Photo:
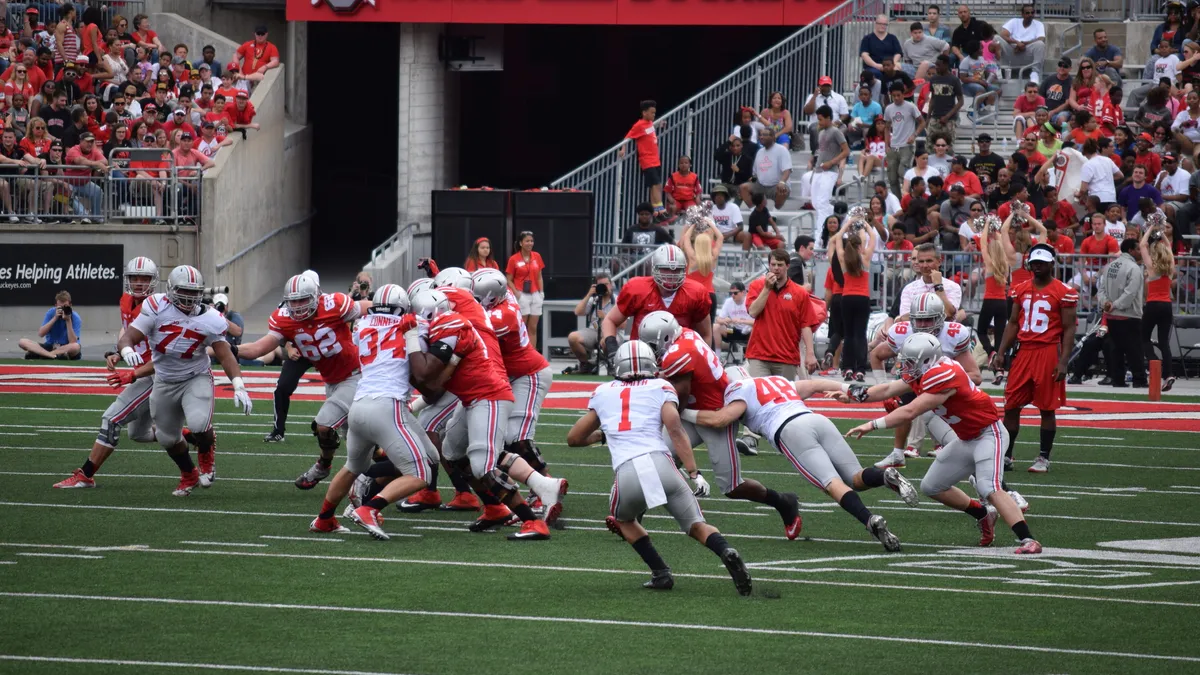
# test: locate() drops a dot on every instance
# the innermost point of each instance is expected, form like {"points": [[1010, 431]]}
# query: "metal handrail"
{"points": [[1064, 50], [629, 270], [391, 241]]}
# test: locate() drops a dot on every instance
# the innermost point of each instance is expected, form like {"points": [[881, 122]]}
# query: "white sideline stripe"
{"points": [[1095, 438], [177, 664], [940, 509], [62, 555], [222, 543], [274, 536], [613, 622]]}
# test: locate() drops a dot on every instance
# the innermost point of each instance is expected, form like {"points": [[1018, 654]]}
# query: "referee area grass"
{"points": [[126, 578]]}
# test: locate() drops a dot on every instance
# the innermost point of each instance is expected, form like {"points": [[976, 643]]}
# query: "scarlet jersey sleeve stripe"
{"points": [[153, 303], [677, 366], [937, 380]]}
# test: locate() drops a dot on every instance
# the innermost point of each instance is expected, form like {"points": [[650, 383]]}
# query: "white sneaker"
{"points": [[911, 452], [552, 493], [1020, 501], [894, 459], [1040, 465], [897, 482]]}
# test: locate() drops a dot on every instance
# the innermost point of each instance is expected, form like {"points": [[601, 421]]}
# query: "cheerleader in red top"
{"points": [[701, 242], [1159, 262], [854, 244], [480, 256], [996, 266]]}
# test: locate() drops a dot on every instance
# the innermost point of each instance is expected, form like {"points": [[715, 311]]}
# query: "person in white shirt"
{"points": [[772, 170], [921, 168], [941, 159], [727, 216], [1097, 176], [927, 262], [891, 203], [734, 321], [1172, 183], [825, 95], [1023, 43], [1187, 123]]}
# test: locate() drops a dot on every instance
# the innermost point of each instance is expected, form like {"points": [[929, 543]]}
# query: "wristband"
{"points": [[418, 404], [688, 416], [879, 423], [845, 388], [412, 342], [938, 288], [238, 383], [455, 359], [879, 374]]}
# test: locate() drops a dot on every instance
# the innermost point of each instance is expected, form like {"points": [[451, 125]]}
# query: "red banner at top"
{"points": [[568, 12]]}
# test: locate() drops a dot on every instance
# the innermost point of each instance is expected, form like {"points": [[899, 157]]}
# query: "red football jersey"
{"points": [[464, 304], [477, 377], [1041, 311], [323, 338], [689, 355], [130, 308], [520, 358], [640, 296], [969, 410]]}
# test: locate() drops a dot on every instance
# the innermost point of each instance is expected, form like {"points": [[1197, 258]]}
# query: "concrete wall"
{"points": [[428, 138], [238, 24]]}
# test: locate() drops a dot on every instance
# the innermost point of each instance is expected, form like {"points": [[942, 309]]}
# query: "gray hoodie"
{"points": [[1123, 284]]}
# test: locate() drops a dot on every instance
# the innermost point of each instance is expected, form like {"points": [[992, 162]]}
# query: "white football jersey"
{"points": [[770, 401], [631, 416], [382, 357], [955, 337], [177, 340]]}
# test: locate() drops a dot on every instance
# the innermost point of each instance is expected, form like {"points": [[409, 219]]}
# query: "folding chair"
{"points": [[1185, 321]]}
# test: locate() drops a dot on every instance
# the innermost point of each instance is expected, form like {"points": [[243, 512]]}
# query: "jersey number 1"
{"points": [[625, 424]]}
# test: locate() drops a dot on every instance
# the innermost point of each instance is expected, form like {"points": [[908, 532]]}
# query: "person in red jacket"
{"points": [[683, 187]]}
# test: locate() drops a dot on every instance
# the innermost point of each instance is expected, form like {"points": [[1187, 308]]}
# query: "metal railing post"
{"points": [[689, 131], [758, 87], [616, 221]]}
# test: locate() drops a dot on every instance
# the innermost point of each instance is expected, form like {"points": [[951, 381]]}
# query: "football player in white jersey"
{"points": [[389, 348], [773, 407], [179, 327], [928, 315], [628, 415]]}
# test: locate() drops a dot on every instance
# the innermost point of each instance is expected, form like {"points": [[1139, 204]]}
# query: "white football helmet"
{"points": [[669, 268], [300, 295], [490, 287], [316, 279], [453, 276], [659, 330], [141, 277], [390, 299], [735, 373], [919, 353], [928, 314], [419, 285], [185, 288], [634, 360], [430, 303]]}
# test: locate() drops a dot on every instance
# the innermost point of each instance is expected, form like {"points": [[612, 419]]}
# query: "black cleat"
{"points": [[273, 437], [660, 580], [737, 570]]}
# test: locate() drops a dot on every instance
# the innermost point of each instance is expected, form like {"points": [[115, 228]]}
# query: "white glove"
{"points": [[418, 404], [241, 398], [689, 416], [702, 489], [132, 358], [412, 341]]}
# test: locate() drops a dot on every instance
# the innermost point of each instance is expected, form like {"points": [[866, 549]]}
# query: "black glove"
{"points": [[610, 347], [858, 392]]}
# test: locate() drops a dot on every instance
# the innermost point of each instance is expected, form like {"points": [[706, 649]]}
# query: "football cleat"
{"points": [[660, 580], [359, 489], [494, 515], [934, 452], [911, 453], [1029, 547], [895, 459], [1020, 501], [553, 503], [611, 523], [187, 483], [1008, 464], [76, 480], [315, 474], [535, 530], [327, 526], [987, 527], [745, 448], [737, 570], [368, 519], [894, 480], [208, 467], [273, 437], [878, 528], [792, 521], [463, 501], [1040, 465], [420, 501]]}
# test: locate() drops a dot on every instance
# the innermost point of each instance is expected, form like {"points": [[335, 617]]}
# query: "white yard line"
{"points": [[320, 539], [177, 664], [62, 555], [223, 543], [669, 626]]}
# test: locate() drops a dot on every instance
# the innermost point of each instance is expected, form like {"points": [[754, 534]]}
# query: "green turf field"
{"points": [[130, 579]]}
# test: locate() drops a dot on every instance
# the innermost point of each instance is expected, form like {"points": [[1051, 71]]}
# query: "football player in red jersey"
{"points": [[318, 324], [941, 385], [667, 290], [475, 435], [693, 368], [131, 408], [1043, 325]]}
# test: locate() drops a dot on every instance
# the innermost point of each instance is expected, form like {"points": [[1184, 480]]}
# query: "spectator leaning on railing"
{"points": [[734, 322], [59, 334]]}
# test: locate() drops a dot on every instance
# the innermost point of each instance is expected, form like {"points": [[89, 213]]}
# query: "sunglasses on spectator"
{"points": [[1085, 67], [939, 145], [21, 70]]}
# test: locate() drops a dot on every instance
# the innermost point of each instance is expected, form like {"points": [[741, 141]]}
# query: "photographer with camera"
{"points": [[236, 327], [360, 289], [59, 333], [600, 298]]}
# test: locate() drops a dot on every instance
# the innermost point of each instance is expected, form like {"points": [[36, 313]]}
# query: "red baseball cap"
{"points": [[242, 93], [1146, 137], [824, 79]]}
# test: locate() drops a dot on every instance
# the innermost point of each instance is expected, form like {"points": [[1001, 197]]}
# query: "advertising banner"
{"points": [[30, 274]]}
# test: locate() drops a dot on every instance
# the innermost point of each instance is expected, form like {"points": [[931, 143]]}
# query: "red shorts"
{"points": [[1031, 380], [766, 240]]}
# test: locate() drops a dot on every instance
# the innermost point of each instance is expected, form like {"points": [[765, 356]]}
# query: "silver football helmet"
{"points": [[735, 373], [300, 295], [141, 277], [453, 276], [490, 287], [669, 268], [390, 299], [316, 278], [419, 285], [659, 330], [920, 352], [185, 288], [430, 303], [634, 360], [928, 314]]}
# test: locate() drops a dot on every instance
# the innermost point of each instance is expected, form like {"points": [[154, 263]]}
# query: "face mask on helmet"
{"points": [[670, 279], [139, 285], [186, 299], [302, 308], [928, 325]]}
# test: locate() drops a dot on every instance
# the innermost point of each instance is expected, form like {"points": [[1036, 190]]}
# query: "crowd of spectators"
{"points": [[83, 88]]}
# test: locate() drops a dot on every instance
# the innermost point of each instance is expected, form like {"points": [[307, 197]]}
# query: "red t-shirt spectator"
{"points": [[472, 266], [1036, 159], [246, 115], [255, 56], [172, 126], [684, 189], [901, 245], [522, 271], [1151, 161], [219, 118], [36, 147], [969, 180], [1063, 244], [1104, 246], [646, 137], [229, 94], [1064, 216], [1005, 209], [1024, 105], [11, 90], [1079, 136], [81, 174], [188, 157]]}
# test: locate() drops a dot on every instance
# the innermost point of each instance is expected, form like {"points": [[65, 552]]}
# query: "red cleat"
{"points": [[493, 516], [987, 527], [187, 483], [327, 526], [535, 530], [77, 480], [611, 523], [421, 501], [1029, 547], [368, 518], [463, 501]]}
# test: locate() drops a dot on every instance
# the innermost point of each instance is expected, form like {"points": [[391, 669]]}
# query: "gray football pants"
{"points": [[476, 431], [387, 423], [176, 404], [130, 409], [722, 453], [818, 451], [627, 501], [982, 457]]}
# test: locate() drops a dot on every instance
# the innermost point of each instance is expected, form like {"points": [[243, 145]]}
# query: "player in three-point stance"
{"points": [[773, 407], [629, 414], [389, 353], [319, 325], [179, 327], [695, 371], [1042, 324], [941, 385]]}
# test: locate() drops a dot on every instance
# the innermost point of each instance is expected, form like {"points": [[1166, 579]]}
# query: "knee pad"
{"points": [[326, 440], [500, 485], [505, 459], [110, 433], [528, 452]]}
